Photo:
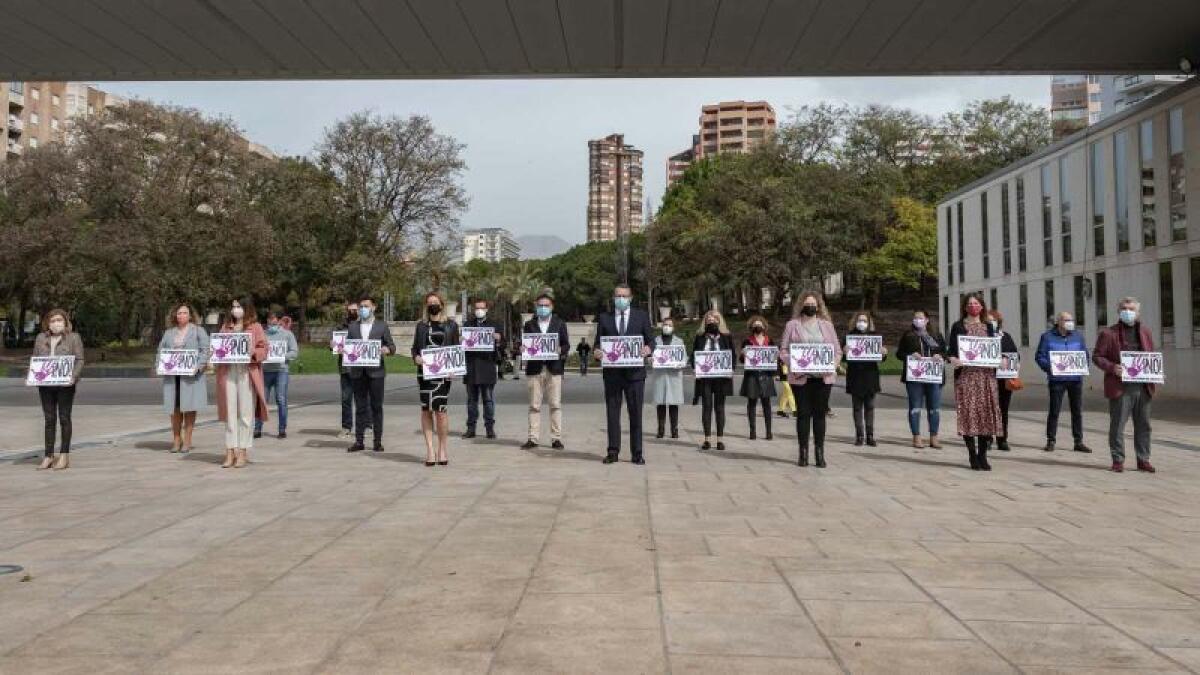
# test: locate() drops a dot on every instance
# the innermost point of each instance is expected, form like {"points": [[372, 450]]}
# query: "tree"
{"points": [[909, 252]]}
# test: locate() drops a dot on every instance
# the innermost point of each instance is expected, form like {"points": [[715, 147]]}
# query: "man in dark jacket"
{"points": [[545, 378], [1063, 338], [1126, 399], [347, 385], [481, 374], [368, 381], [624, 383], [584, 350]]}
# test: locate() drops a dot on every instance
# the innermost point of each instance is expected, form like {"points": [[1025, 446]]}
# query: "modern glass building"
{"points": [[1111, 211]]}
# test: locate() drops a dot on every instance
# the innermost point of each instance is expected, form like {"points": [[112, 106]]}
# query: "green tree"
{"points": [[909, 252]]}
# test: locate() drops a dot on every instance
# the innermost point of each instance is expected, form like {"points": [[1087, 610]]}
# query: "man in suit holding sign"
{"points": [[481, 368], [624, 371], [368, 380]]}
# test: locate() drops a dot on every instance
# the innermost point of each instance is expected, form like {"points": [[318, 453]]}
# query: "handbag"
{"points": [[1014, 384]]}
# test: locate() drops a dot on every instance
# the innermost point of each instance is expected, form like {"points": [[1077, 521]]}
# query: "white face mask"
{"points": [[57, 326], [1068, 326], [861, 325], [480, 313], [667, 330], [237, 312]]}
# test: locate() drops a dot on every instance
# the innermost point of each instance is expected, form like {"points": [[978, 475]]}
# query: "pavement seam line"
{"points": [[808, 615], [662, 610]]}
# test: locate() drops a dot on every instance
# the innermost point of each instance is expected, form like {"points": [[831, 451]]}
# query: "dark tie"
{"points": [[621, 324]]}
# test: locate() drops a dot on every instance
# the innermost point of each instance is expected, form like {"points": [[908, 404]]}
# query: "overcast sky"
{"points": [[526, 140]]}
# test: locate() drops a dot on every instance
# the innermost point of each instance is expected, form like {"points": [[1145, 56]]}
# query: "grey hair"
{"points": [[1130, 300]]}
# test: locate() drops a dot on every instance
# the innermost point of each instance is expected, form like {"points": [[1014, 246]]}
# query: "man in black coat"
{"points": [[481, 374], [368, 381], [344, 376], [624, 383], [545, 378]]}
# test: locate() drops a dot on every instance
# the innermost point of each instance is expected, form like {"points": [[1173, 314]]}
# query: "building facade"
{"points": [[678, 163], [1076, 99], [37, 113], [614, 188], [733, 126], [492, 244], [1111, 211], [1118, 92]]}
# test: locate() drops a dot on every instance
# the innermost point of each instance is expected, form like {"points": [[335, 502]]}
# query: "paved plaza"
{"points": [[313, 560]]}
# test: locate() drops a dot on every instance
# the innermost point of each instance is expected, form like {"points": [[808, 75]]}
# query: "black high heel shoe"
{"points": [[445, 463], [428, 463]]}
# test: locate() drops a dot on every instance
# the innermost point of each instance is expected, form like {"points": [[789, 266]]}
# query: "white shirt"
{"points": [[544, 326], [365, 327]]}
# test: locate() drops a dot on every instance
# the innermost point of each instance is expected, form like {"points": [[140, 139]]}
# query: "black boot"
{"points": [[767, 424], [802, 440], [753, 429], [1002, 444], [984, 442], [871, 437], [662, 421], [803, 461], [661, 430], [971, 456], [858, 438], [820, 451]]}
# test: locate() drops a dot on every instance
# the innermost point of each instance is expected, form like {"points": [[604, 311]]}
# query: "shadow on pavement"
{"points": [[551, 453], [394, 457], [321, 432], [744, 455], [910, 460], [153, 445]]}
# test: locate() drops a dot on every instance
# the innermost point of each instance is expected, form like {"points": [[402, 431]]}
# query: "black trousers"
{"points": [[663, 410], [1074, 392], [348, 403], [712, 404], [616, 389], [766, 412], [56, 406], [864, 414], [812, 404], [368, 403], [1005, 401]]}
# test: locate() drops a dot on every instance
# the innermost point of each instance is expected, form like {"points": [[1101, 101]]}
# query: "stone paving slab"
{"points": [[312, 560]]}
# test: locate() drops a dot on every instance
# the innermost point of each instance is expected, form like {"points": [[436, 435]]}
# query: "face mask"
{"points": [[711, 328], [974, 310], [1128, 316], [919, 324], [57, 326], [808, 310], [364, 313], [273, 328], [861, 325], [621, 303], [1068, 326], [434, 310], [756, 329], [543, 312], [237, 312], [667, 330], [480, 313]]}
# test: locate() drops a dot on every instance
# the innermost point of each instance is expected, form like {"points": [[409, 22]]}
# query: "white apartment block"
{"points": [[492, 244]]}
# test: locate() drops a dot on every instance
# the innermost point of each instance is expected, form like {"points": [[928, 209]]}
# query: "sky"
{"points": [[526, 140]]}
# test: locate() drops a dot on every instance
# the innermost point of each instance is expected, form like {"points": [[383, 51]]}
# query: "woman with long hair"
{"points": [[862, 383], [186, 394], [758, 386], [241, 397], [924, 340], [810, 324], [57, 339], [435, 330], [712, 390], [975, 394]]}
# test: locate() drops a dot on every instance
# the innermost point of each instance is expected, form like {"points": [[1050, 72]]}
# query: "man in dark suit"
{"points": [[545, 378], [624, 383], [481, 374], [344, 377], [368, 381]]}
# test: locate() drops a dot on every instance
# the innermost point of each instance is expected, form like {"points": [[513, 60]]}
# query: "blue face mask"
{"points": [[364, 313], [273, 328], [543, 312], [621, 303], [1128, 316]]}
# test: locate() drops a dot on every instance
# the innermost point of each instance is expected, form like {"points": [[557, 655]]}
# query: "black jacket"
{"points": [[559, 326], [421, 337], [911, 343], [952, 344], [862, 377], [638, 323], [379, 331], [481, 366], [720, 385]]}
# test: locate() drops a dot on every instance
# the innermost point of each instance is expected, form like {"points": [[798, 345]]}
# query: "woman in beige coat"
{"points": [[57, 339]]}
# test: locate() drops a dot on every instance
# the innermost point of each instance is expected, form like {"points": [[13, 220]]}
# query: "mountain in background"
{"points": [[539, 246]]}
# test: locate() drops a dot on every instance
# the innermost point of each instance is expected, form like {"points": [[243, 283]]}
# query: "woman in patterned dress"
{"points": [[436, 330], [975, 393]]}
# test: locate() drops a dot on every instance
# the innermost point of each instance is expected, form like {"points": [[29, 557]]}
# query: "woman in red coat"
{"points": [[240, 394]]}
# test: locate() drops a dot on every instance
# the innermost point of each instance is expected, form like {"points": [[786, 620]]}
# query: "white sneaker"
{"points": [[345, 433]]}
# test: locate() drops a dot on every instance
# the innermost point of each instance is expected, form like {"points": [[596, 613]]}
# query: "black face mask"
{"points": [[434, 310], [756, 330], [808, 310], [711, 328]]}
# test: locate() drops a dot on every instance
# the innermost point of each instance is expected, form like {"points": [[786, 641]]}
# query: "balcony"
{"points": [[15, 149], [15, 125], [16, 100], [1132, 83]]}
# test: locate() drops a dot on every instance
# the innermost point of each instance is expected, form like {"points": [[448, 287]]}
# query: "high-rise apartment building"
{"points": [[614, 188], [678, 163], [36, 113], [734, 126], [492, 244], [1078, 101]]}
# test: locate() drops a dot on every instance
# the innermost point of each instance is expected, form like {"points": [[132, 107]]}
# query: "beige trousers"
{"points": [[239, 407], [545, 387]]}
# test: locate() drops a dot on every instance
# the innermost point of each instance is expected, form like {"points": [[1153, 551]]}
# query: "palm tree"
{"points": [[518, 285]]}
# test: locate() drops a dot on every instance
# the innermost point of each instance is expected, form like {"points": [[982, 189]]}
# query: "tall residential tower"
{"points": [[614, 188]]}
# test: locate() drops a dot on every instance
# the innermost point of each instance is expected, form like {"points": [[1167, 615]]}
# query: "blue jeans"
{"points": [[927, 396], [277, 380], [485, 392]]}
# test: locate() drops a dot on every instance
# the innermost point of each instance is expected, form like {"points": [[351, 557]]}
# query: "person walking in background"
{"points": [[435, 330], [240, 396], [666, 384], [1004, 388], [1126, 399], [923, 340], [583, 350], [712, 391], [810, 324], [58, 339], [346, 382], [275, 375], [976, 395], [628, 384], [184, 395], [758, 386], [862, 383], [787, 402], [368, 381], [1061, 338], [544, 378], [482, 374]]}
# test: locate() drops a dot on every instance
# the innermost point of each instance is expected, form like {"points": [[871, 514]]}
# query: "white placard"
{"points": [[621, 351], [1143, 368], [864, 347], [362, 353], [1069, 364], [51, 371], [811, 358], [926, 369], [755, 357], [276, 351], [1010, 366], [670, 356], [230, 348], [337, 340], [716, 363], [540, 347], [979, 352], [478, 338], [177, 362], [441, 362]]}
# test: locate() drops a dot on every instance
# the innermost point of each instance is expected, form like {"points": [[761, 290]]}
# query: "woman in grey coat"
{"points": [[666, 384], [184, 395]]}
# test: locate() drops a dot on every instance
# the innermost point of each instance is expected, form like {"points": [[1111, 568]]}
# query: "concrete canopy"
{"points": [[328, 39]]}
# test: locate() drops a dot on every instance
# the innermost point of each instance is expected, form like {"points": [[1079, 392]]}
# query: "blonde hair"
{"points": [[724, 329], [441, 303], [822, 311]]}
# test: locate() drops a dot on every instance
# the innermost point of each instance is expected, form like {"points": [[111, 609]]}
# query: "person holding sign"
{"points": [[975, 391], [758, 386], [1126, 396], [347, 384], [185, 394], [1063, 355], [810, 324], [924, 346], [627, 382], [666, 383], [56, 340], [239, 356], [281, 348], [546, 344], [481, 368], [435, 330], [368, 380], [712, 390], [1005, 387], [864, 351]]}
